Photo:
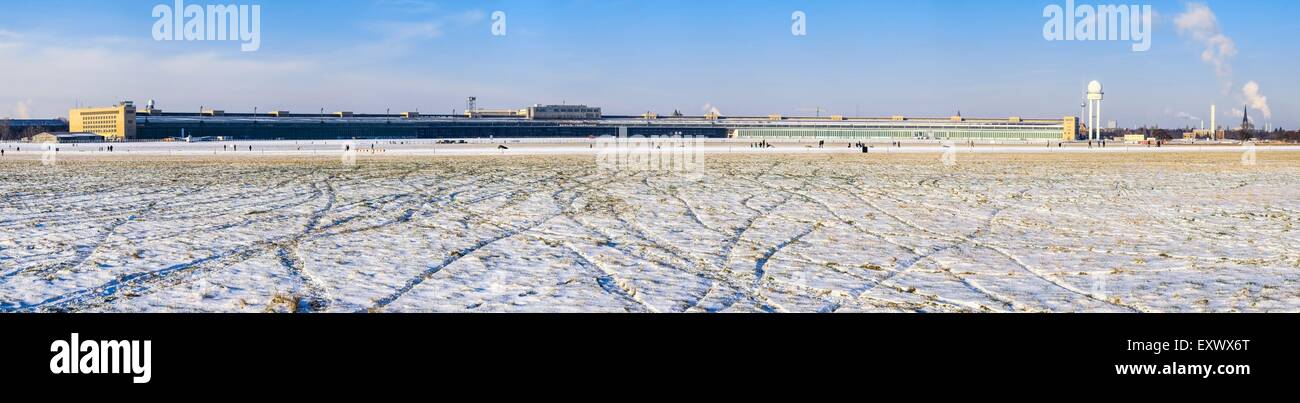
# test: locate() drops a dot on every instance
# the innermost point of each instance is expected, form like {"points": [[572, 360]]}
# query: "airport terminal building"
{"points": [[560, 121]]}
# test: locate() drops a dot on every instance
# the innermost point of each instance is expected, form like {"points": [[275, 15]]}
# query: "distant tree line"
{"points": [[1290, 136]]}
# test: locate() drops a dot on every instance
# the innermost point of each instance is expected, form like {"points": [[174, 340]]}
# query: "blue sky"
{"points": [[865, 57]]}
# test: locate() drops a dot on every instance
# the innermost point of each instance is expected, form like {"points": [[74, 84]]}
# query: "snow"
{"points": [[158, 227]]}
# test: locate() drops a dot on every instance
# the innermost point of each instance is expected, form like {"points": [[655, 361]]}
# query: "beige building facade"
{"points": [[115, 123]]}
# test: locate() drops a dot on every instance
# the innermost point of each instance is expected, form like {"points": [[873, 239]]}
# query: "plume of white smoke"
{"points": [[1200, 23], [710, 109], [1187, 116], [1180, 115], [1256, 99], [23, 110]]}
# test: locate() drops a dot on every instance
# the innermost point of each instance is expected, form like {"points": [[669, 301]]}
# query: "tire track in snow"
{"points": [[464, 252], [317, 297], [142, 283], [609, 282], [130, 285], [971, 238], [760, 265]]}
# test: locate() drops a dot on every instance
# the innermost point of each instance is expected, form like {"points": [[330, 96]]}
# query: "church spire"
{"points": [[1245, 119]]}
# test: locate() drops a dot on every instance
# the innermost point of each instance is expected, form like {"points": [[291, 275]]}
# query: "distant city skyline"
{"points": [[863, 58]]}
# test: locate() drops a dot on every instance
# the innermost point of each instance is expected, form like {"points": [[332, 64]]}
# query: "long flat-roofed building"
{"points": [[115, 123], [580, 121], [903, 128]]}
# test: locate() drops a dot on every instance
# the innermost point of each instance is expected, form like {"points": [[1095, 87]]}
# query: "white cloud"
{"points": [[427, 29], [9, 39], [396, 30], [105, 72], [399, 38], [1199, 20], [51, 73], [410, 6]]}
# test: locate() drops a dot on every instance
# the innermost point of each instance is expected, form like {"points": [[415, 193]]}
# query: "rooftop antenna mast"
{"points": [[817, 110]]}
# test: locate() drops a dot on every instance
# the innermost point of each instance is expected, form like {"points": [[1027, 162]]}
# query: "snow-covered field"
{"points": [[782, 231]]}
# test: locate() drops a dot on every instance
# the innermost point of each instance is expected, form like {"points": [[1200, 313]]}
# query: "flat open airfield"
{"points": [[785, 230]]}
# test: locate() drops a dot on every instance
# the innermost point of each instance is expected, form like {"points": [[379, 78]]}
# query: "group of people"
{"points": [[865, 148], [761, 144]]}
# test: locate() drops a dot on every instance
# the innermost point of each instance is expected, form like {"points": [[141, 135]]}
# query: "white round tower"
{"points": [[1095, 95]]}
